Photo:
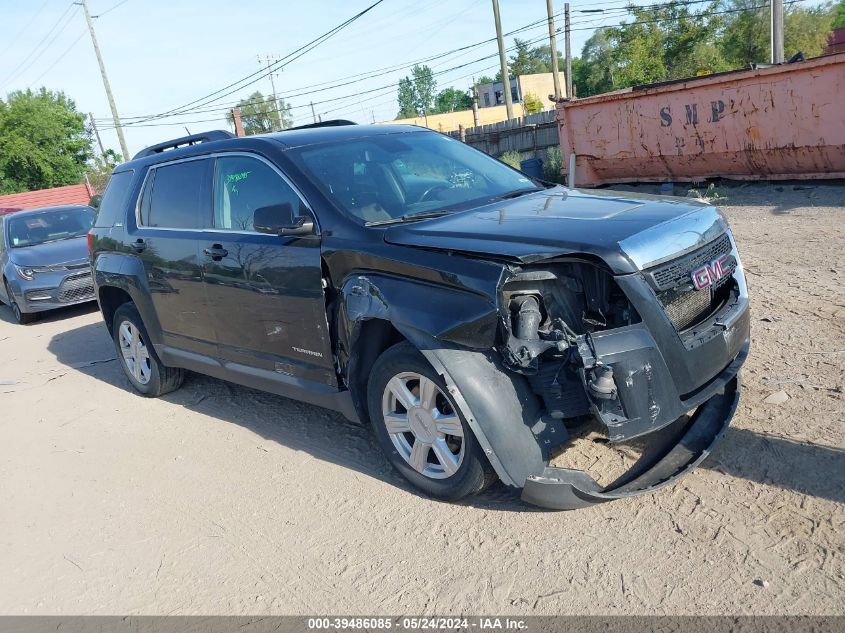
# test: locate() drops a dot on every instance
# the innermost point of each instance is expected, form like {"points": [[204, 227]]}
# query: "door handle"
{"points": [[139, 245], [216, 252]]}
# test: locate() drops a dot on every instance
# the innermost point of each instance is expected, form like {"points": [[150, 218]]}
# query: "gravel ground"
{"points": [[222, 500]]}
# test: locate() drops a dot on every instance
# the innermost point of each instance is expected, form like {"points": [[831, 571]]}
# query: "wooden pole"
{"points": [[503, 61], [550, 9], [117, 126], [239, 126]]}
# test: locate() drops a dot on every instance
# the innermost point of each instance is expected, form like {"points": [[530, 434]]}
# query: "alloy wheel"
{"points": [[422, 425], [134, 351]]}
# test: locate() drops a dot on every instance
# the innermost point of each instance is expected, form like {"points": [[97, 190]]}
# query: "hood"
{"points": [[69, 251], [628, 231]]}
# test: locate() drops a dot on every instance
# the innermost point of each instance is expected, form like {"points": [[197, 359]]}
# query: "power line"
{"points": [[302, 50], [58, 59], [389, 87], [25, 64], [15, 39], [351, 79], [110, 9]]}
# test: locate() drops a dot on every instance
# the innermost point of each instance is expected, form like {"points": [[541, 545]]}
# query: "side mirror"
{"points": [[278, 220], [303, 225]]}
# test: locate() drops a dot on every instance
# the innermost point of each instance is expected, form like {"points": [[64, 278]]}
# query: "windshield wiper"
{"points": [[517, 192], [410, 217]]}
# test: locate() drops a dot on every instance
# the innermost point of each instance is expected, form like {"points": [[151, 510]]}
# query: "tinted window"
{"points": [[115, 199], [49, 226], [242, 185], [176, 196], [389, 176]]}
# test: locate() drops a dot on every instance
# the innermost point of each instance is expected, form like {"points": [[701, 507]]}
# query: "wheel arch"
{"points": [[110, 299], [455, 332], [118, 277]]}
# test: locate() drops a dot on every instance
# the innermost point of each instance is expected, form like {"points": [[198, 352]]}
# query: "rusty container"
{"points": [[780, 122]]}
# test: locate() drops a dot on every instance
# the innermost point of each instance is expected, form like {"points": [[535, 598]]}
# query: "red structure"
{"points": [[780, 122], [836, 41], [71, 194]]}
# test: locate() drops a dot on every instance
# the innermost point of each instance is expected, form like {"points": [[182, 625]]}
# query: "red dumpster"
{"points": [[780, 122]]}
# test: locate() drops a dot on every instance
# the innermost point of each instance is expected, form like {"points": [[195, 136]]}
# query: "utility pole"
{"points": [[97, 134], [474, 103], [506, 80], [117, 125], [270, 61], [313, 113], [236, 119], [568, 38], [777, 31], [550, 9]]}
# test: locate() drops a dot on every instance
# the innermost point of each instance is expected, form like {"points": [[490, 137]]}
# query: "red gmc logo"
{"points": [[712, 272]]}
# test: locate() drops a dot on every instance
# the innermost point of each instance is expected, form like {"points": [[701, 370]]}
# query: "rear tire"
{"points": [[136, 355], [426, 439]]}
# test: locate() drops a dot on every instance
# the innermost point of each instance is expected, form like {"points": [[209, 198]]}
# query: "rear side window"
{"points": [[175, 196], [115, 200]]}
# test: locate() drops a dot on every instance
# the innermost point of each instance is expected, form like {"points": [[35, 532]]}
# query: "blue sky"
{"points": [[160, 55]]}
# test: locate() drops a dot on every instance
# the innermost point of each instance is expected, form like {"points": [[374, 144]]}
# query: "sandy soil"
{"points": [[222, 500]]}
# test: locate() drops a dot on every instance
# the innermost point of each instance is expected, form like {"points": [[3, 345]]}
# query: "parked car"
{"points": [[44, 260], [475, 318]]}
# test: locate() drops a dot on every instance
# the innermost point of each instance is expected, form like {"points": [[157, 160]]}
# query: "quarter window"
{"points": [[242, 185], [113, 205], [174, 198]]}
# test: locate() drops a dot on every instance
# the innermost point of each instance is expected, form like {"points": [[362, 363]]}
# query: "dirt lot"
{"points": [[222, 500]]}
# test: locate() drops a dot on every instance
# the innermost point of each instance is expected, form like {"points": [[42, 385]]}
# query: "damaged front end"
{"points": [[594, 345]]}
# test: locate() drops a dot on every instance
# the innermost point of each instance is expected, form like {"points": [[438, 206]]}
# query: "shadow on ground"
{"points": [[805, 468], [51, 315]]}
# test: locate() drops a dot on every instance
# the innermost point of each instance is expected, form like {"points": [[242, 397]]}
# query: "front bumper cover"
{"points": [[567, 489]]}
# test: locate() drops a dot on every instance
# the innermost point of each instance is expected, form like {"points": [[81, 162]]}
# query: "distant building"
{"points": [[56, 196], [540, 85]]}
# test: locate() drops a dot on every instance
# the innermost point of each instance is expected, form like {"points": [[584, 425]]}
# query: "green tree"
{"points": [[424, 87], [407, 99], [417, 93], [839, 15], [527, 60], [532, 103], [100, 169], [745, 37], [806, 29], [452, 99], [592, 73], [43, 141], [259, 115]]}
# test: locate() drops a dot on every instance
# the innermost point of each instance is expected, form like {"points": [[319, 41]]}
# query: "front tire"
{"points": [[420, 429], [23, 318], [136, 355]]}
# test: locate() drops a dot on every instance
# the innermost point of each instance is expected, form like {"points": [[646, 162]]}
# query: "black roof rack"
{"points": [[193, 139], [332, 123]]}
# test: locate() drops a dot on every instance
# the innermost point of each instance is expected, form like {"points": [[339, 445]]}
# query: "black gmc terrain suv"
{"points": [[474, 317]]}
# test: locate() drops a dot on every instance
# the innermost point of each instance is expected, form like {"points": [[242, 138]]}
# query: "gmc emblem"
{"points": [[712, 272]]}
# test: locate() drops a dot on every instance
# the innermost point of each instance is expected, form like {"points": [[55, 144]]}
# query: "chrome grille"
{"points": [[672, 282], [685, 307], [677, 272], [77, 287]]}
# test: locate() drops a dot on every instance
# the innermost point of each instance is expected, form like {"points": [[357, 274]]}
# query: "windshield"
{"points": [[48, 226], [382, 178]]}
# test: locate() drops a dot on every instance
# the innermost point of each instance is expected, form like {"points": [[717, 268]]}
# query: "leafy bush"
{"points": [[552, 163], [511, 158]]}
